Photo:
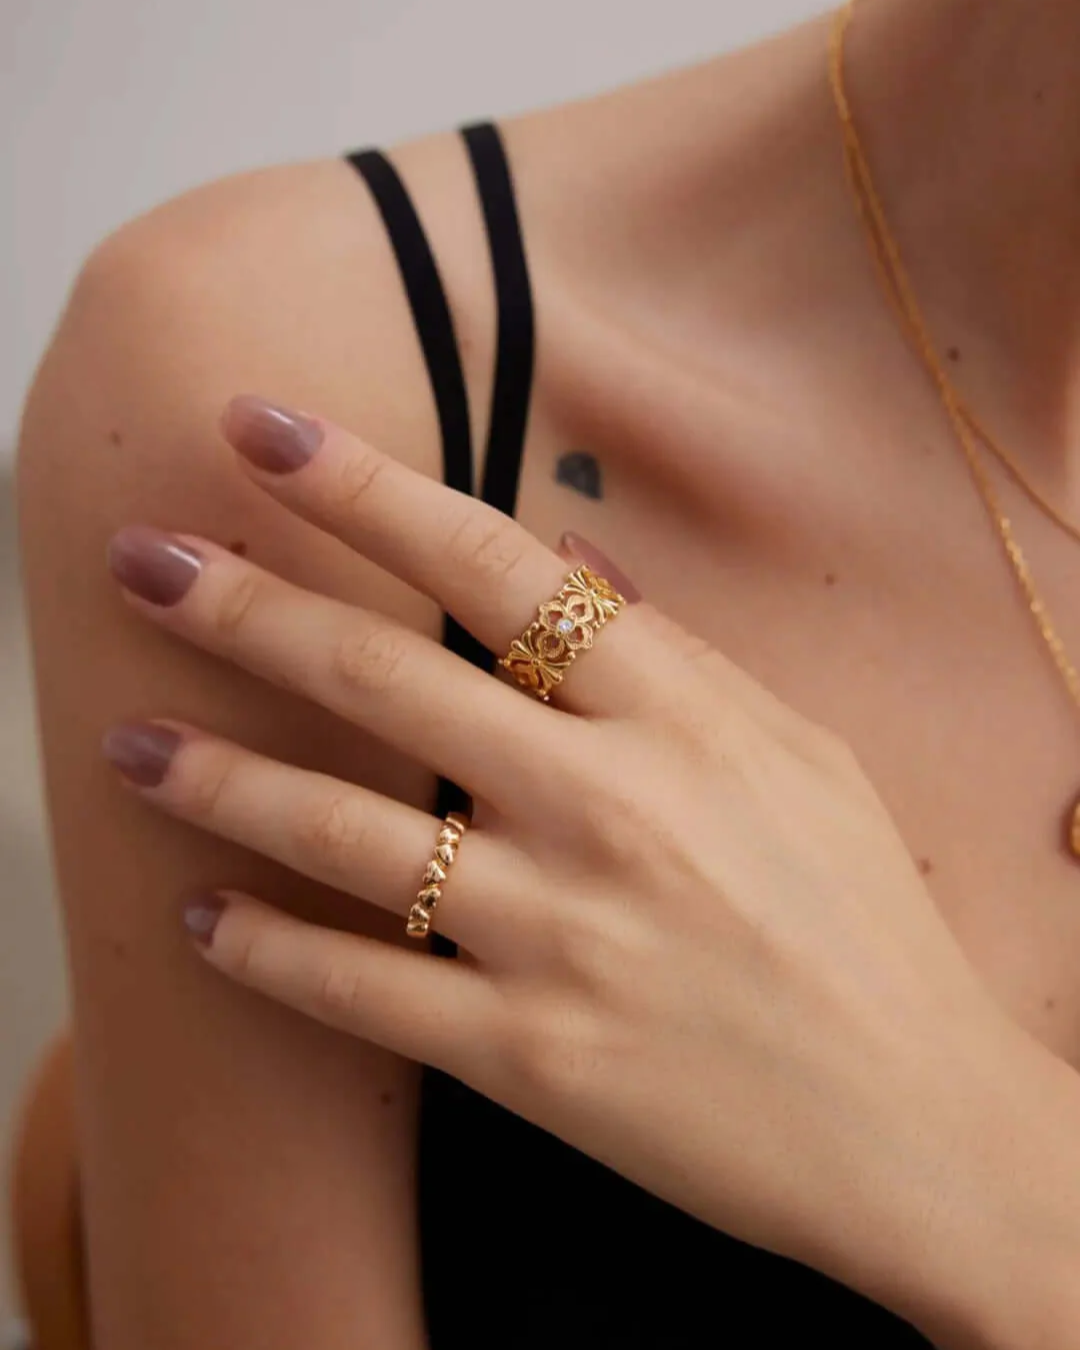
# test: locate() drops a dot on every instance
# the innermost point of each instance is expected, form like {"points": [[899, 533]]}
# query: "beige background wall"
{"points": [[108, 106]]}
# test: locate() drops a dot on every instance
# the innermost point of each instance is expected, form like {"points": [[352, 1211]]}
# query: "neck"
{"points": [[969, 111]]}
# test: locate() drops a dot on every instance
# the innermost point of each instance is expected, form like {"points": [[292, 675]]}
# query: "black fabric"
{"points": [[430, 309], [526, 1243], [516, 329], [435, 328]]}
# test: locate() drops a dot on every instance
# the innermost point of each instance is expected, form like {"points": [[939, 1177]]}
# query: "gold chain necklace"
{"points": [[969, 431]]}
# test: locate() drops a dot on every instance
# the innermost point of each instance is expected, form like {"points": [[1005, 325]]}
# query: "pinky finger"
{"points": [[416, 1005]]}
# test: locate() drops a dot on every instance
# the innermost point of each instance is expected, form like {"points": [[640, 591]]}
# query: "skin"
{"points": [[624, 977], [775, 475]]}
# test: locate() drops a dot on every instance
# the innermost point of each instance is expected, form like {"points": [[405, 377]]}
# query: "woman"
{"points": [[738, 1047]]}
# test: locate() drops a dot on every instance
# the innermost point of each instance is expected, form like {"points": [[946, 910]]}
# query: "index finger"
{"points": [[479, 564]]}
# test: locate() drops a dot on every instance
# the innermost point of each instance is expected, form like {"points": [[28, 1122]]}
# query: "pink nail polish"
{"points": [[577, 547], [275, 439], [153, 565], [141, 751], [201, 915]]}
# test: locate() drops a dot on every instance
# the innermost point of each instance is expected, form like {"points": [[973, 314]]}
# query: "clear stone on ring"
{"points": [[565, 626]]}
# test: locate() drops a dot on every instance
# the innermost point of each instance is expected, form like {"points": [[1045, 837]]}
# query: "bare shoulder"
{"points": [[283, 280], [280, 281]]}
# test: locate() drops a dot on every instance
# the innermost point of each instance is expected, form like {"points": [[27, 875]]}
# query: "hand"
{"points": [[697, 948]]}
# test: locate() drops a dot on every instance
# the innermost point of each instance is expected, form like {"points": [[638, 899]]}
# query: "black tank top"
{"points": [[526, 1243]]}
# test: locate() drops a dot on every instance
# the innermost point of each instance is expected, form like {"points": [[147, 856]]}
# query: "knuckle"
{"points": [[236, 606], [341, 990], [486, 545], [718, 742], [616, 823], [369, 659], [331, 834], [357, 474], [558, 1042], [592, 946], [208, 792], [699, 654], [825, 748], [610, 816], [545, 1051], [686, 650], [245, 958]]}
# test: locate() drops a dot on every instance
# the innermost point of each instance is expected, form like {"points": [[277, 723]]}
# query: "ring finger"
{"points": [[345, 836]]}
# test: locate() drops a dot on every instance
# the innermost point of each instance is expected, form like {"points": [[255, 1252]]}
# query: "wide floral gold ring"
{"points": [[563, 627]]}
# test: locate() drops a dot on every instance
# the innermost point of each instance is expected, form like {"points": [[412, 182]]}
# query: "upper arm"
{"points": [[248, 1177]]}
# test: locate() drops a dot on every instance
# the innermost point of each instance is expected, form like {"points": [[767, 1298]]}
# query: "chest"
{"points": [[874, 597]]}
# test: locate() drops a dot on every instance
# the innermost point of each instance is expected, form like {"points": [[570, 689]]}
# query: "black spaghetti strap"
{"points": [[435, 328], [515, 337], [516, 324], [515, 346], [431, 312]]}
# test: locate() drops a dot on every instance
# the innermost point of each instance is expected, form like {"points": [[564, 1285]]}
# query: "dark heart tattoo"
{"points": [[579, 470]]}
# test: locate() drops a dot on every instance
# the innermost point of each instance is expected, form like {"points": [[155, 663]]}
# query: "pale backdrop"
{"points": [[109, 106]]}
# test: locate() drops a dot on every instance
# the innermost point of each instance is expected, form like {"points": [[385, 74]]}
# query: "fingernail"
{"points": [[152, 564], [201, 915], [141, 751], [272, 438], [591, 556]]}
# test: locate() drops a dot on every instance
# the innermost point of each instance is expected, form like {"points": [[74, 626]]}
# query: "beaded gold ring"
{"points": [[447, 843]]}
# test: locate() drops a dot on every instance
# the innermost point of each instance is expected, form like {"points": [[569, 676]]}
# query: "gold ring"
{"points": [[541, 656], [451, 833]]}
